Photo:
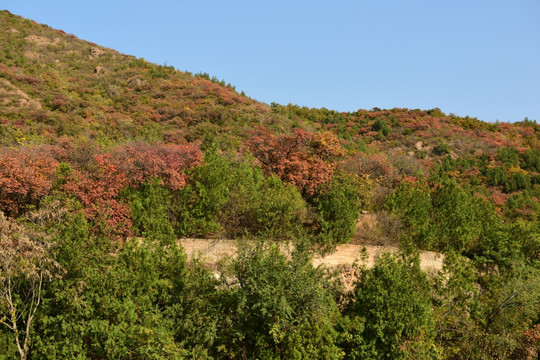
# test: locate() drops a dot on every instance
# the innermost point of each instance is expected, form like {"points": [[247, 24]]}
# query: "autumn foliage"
{"points": [[301, 158], [131, 165], [140, 162], [26, 175], [98, 192]]}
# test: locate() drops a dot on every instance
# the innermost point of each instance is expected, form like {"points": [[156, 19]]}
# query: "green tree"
{"points": [[531, 160], [508, 155], [150, 209], [197, 206], [261, 205], [511, 305], [110, 306], [279, 308], [412, 201], [456, 305], [337, 206], [389, 314]]}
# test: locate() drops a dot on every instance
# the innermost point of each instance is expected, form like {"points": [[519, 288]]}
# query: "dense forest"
{"points": [[107, 160]]}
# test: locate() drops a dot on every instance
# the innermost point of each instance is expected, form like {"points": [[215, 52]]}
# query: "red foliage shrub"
{"points": [[298, 158], [533, 335], [26, 175], [38, 116], [98, 191], [59, 101], [499, 198], [98, 187], [140, 162], [30, 80]]}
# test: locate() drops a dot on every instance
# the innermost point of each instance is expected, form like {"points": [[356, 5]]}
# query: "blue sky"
{"points": [[478, 58]]}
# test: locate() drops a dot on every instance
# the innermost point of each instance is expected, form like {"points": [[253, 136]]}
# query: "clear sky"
{"points": [[474, 57]]}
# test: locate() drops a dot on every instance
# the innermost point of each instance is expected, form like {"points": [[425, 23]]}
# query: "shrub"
{"points": [[389, 315], [517, 181], [196, 207], [376, 166], [262, 205], [337, 206], [26, 176], [442, 148], [444, 216], [382, 127], [282, 309], [531, 160], [412, 200], [508, 155], [98, 193], [235, 196], [298, 158], [142, 162], [150, 205]]}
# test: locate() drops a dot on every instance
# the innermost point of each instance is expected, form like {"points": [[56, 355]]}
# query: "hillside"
{"points": [[57, 89], [99, 148]]}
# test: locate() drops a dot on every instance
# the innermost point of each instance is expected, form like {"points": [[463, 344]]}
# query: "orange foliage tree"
{"points": [[301, 158]]}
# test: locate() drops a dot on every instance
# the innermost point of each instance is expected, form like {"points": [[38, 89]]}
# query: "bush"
{"points": [[382, 127], [236, 197], [389, 315], [262, 206], [26, 176], [412, 200], [517, 181], [149, 211], [282, 309], [508, 155], [442, 148], [142, 162], [197, 206], [337, 206], [443, 217], [531, 160], [299, 159], [496, 176]]}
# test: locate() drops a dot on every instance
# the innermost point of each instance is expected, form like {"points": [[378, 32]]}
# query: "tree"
{"points": [[197, 206], [299, 158], [150, 205], [262, 206], [412, 200], [25, 268], [337, 207], [456, 302], [114, 306], [279, 308], [389, 313], [511, 307]]}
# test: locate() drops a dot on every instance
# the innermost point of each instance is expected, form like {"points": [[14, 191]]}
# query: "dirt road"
{"points": [[344, 255]]}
